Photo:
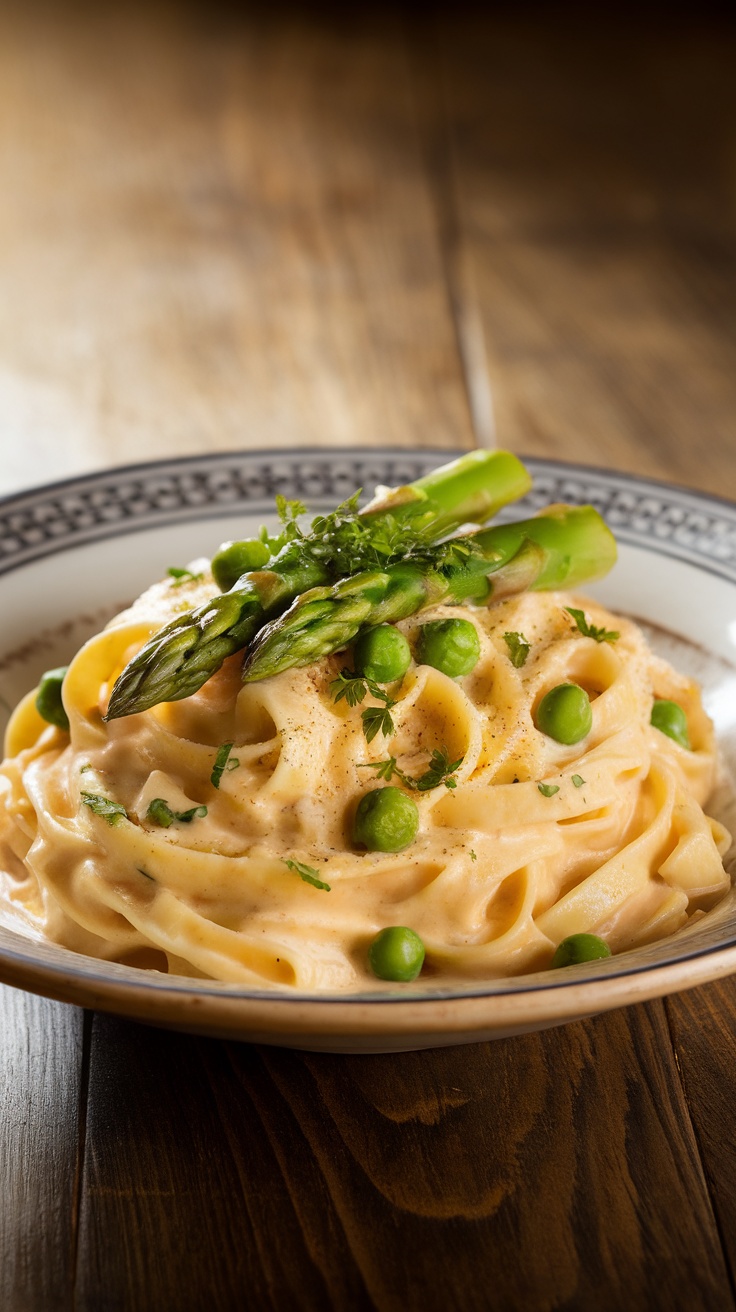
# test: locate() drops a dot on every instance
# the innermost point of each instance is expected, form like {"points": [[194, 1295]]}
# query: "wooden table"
{"points": [[223, 229]]}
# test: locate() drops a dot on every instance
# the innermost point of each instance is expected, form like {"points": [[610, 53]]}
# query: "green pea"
{"points": [[382, 654], [578, 948], [564, 714], [670, 718], [48, 698], [396, 953], [386, 820], [235, 558], [452, 646]]}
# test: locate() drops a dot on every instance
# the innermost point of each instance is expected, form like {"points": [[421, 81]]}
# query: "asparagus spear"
{"points": [[560, 548], [178, 659]]}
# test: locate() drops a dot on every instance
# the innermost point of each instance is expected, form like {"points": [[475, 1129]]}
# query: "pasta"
{"points": [[525, 842]]}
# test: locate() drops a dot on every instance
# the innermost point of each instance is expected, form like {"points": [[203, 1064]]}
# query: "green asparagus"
{"points": [[185, 653], [560, 548]]}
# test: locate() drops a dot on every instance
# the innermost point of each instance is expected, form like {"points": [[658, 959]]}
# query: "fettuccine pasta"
{"points": [[615, 842]]}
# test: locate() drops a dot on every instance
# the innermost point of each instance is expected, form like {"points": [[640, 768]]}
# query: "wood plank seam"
{"points": [[81, 1148], [436, 147], [707, 1177]]}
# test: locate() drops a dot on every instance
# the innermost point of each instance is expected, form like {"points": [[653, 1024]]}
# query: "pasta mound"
{"points": [[616, 843]]}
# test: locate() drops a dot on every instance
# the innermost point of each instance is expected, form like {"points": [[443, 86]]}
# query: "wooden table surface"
{"points": [[227, 227]]}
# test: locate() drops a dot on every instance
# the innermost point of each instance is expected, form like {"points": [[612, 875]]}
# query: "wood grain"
{"points": [[215, 231], [556, 1170], [594, 157], [41, 1130], [703, 1026]]}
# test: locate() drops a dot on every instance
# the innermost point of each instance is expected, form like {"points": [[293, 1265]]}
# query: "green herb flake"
{"points": [[473, 856], [289, 511], [179, 576], [111, 811], [548, 790], [377, 719], [439, 771], [84, 768], [161, 813], [578, 780], [145, 874], [349, 685], [589, 630], [518, 647], [223, 761], [308, 874], [354, 688], [386, 770]]}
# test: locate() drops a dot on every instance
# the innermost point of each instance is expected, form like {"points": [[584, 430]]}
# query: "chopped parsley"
{"points": [[161, 813], [386, 770], [589, 630], [548, 790], [179, 576], [473, 856], [289, 511], [105, 807], [354, 688], [377, 719], [223, 761], [346, 542], [439, 771], [578, 780], [308, 874], [518, 647]]}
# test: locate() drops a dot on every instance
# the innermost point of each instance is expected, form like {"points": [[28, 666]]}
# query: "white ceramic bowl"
{"points": [[74, 553]]}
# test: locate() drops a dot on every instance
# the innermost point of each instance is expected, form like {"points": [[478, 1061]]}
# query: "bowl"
{"points": [[74, 553]]}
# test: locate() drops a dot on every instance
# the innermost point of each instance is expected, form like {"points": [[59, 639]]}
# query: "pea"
{"points": [[396, 953], [235, 558], [48, 698], [578, 948], [382, 654], [670, 718], [452, 646], [386, 820], [564, 714]]}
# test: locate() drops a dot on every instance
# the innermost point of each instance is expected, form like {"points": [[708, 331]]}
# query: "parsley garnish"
{"points": [[308, 874], [473, 856], [104, 806], [439, 771], [548, 790], [518, 647], [223, 761], [84, 768], [377, 719], [578, 780], [179, 576], [161, 813], [589, 630], [289, 511], [346, 542], [354, 688]]}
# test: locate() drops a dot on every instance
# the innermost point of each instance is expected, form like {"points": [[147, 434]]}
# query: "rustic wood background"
{"points": [[226, 227]]}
